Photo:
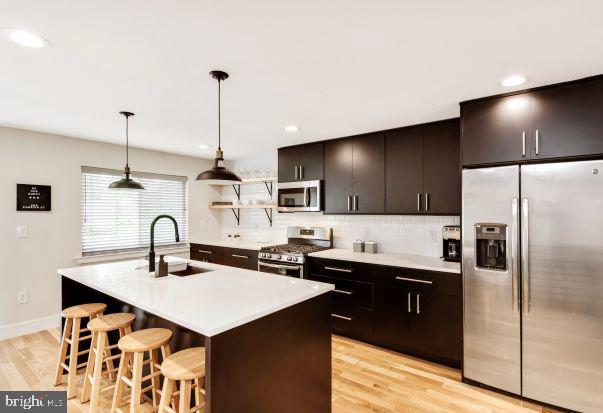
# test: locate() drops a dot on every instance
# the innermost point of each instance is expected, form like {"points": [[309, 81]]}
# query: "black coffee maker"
{"points": [[451, 236]]}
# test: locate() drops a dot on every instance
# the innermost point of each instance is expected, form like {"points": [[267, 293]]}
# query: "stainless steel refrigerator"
{"points": [[533, 281]]}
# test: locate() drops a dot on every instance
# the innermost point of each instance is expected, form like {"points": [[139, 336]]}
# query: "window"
{"points": [[116, 220]]}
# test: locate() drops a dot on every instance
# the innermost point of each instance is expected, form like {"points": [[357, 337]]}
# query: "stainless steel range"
{"points": [[290, 259]]}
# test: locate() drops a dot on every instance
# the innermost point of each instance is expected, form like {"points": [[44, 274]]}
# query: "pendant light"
{"points": [[219, 175], [126, 182]]}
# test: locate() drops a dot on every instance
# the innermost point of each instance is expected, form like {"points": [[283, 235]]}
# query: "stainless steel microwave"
{"points": [[305, 196]]}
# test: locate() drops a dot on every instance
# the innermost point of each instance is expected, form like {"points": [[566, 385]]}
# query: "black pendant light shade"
{"points": [[126, 182], [219, 175]]}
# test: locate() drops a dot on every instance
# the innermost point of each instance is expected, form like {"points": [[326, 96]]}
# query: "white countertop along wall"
{"points": [[208, 303], [243, 243], [418, 262]]}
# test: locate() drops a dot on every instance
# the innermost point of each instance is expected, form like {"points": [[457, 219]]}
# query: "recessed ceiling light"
{"points": [[291, 128], [513, 81], [203, 146], [25, 38]]}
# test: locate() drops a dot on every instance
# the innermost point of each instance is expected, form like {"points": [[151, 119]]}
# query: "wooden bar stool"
{"points": [[101, 353], [187, 367], [133, 346], [71, 340]]}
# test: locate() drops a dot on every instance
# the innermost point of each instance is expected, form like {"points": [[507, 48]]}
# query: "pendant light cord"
{"points": [[127, 141], [219, 117]]}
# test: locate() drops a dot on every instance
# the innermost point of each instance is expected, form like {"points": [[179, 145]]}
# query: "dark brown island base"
{"points": [[277, 363]]}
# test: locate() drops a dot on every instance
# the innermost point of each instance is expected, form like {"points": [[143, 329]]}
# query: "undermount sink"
{"points": [[189, 270]]}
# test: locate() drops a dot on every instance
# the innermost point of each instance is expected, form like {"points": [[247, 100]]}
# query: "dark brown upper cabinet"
{"points": [[558, 121], [495, 130], [301, 163], [423, 174], [568, 120], [355, 175]]}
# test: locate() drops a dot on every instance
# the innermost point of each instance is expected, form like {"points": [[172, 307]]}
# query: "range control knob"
{"points": [[289, 258], [277, 256], [296, 259], [268, 255]]}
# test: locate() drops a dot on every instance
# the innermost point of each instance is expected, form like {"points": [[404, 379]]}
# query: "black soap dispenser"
{"points": [[162, 268]]}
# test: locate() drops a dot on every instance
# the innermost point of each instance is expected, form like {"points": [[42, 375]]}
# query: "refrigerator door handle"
{"points": [[525, 257], [514, 253]]}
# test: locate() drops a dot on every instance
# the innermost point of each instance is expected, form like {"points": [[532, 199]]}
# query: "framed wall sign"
{"points": [[33, 197]]}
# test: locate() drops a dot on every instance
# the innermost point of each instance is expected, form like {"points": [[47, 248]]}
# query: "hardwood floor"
{"points": [[365, 379]]}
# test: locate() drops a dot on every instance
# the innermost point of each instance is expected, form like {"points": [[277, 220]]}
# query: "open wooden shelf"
{"points": [[265, 206], [253, 181]]}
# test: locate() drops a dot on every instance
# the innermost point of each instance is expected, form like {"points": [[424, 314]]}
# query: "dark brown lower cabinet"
{"points": [[233, 257], [207, 253], [240, 258], [412, 311]]}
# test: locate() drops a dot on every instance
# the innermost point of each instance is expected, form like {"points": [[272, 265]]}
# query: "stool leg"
{"points": [[197, 392], [136, 382], [119, 385], [110, 365], [75, 341], [155, 380], [185, 396], [165, 352], [98, 369], [89, 369], [166, 394], [63, 351]]}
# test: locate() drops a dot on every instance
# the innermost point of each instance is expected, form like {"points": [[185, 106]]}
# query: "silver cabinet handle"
{"points": [[349, 202], [523, 143], [205, 252], [408, 301], [426, 201], [240, 256], [414, 280], [419, 303], [525, 255], [301, 172], [537, 141], [341, 317], [419, 202], [295, 169], [355, 203], [338, 269], [514, 251], [344, 292]]}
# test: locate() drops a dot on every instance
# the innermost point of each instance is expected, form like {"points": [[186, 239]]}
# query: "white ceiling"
{"points": [[334, 68]]}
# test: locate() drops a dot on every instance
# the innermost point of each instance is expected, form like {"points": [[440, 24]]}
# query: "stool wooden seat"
{"points": [[187, 367], [70, 342], [133, 347], [101, 353]]}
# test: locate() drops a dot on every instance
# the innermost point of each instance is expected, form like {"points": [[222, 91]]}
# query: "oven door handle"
{"points": [[279, 266]]}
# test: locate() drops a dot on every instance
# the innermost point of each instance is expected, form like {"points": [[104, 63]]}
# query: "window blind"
{"points": [[117, 220]]}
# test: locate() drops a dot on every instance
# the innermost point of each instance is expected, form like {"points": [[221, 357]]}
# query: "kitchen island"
{"points": [[267, 337]]}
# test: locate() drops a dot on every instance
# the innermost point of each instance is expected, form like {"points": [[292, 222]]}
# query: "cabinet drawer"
{"points": [[354, 322], [348, 293], [346, 270], [440, 283], [207, 253], [236, 257]]}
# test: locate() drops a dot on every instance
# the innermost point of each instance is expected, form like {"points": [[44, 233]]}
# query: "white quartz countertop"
{"points": [[236, 243], [207, 303], [418, 262]]}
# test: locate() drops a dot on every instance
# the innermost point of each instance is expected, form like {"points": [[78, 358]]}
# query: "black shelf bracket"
{"points": [[237, 189], [237, 214], [269, 187], [268, 212]]}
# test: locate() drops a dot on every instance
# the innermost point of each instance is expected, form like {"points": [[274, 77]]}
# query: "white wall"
{"points": [[420, 235], [29, 264]]}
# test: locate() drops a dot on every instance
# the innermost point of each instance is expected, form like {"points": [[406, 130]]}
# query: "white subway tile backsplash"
{"points": [[421, 235]]}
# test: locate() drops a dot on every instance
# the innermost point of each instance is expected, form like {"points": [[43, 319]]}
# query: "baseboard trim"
{"points": [[27, 327]]}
